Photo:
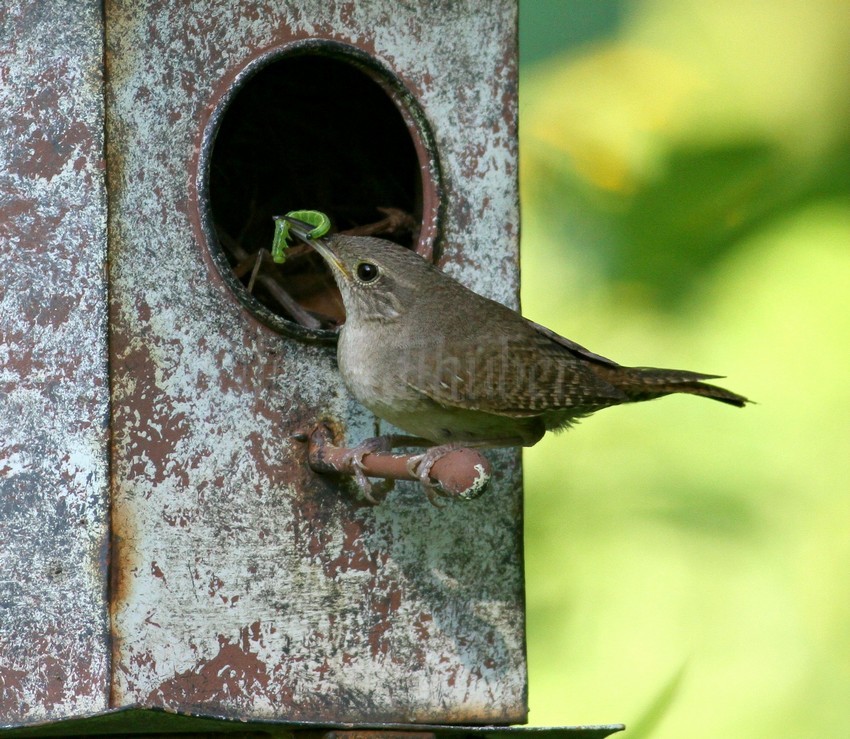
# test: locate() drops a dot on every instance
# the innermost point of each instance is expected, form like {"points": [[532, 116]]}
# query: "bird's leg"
{"points": [[462, 473], [375, 493], [420, 466]]}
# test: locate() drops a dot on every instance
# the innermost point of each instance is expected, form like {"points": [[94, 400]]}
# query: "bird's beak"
{"points": [[302, 231]]}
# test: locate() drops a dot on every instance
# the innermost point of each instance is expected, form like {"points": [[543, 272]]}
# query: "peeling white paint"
{"points": [[54, 653], [220, 550], [246, 586]]}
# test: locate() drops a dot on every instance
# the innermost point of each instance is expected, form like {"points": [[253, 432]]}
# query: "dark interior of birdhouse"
{"points": [[308, 132]]}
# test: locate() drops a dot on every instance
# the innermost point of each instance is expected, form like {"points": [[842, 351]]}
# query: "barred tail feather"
{"points": [[645, 383]]}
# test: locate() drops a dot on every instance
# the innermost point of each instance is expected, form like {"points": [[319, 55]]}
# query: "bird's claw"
{"points": [[374, 493], [420, 467]]}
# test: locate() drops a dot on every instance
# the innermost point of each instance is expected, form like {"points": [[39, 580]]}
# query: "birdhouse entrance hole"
{"points": [[318, 126]]}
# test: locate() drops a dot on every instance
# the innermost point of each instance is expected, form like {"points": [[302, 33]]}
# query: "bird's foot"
{"points": [[449, 471], [374, 493], [420, 466]]}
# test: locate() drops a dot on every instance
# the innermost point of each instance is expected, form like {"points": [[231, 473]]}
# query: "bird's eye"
{"points": [[367, 271]]}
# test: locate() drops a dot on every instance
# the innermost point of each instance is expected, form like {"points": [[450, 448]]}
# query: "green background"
{"points": [[685, 179]]}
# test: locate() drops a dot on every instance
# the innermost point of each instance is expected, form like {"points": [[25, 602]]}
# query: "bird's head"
{"points": [[378, 280]]}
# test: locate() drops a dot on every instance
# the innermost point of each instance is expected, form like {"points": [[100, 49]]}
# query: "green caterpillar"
{"points": [[320, 222]]}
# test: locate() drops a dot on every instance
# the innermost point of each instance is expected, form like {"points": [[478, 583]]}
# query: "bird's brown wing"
{"points": [[576, 349], [533, 372]]}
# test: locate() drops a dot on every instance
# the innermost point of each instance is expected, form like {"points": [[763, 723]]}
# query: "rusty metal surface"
{"points": [[53, 375], [246, 585]]}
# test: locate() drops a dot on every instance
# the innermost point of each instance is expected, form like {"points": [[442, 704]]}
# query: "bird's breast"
{"points": [[372, 368], [391, 379]]}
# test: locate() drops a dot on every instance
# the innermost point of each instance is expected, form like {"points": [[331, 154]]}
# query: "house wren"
{"points": [[454, 368]]}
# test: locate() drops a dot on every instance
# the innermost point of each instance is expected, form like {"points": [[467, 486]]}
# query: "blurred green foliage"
{"points": [[685, 178]]}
